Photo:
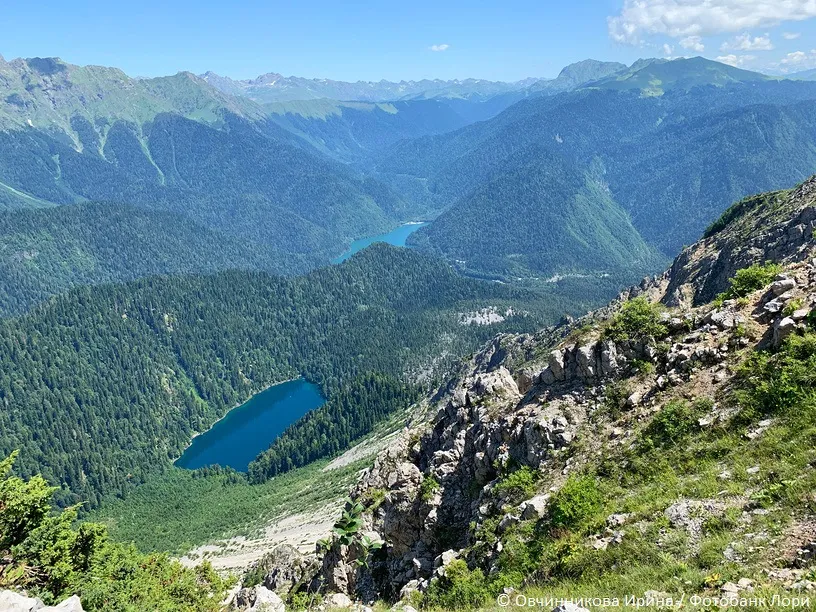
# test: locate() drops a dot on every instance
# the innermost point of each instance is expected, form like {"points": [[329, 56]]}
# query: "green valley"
{"points": [[138, 368]]}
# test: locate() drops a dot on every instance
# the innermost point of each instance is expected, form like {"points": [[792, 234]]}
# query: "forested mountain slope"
{"points": [[105, 385], [72, 134], [45, 252], [354, 131], [540, 213], [673, 162]]}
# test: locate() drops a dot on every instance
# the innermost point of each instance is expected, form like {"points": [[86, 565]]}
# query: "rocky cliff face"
{"points": [[554, 401], [771, 227]]}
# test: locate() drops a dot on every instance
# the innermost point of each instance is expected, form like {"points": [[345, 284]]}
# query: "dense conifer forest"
{"points": [[104, 385]]}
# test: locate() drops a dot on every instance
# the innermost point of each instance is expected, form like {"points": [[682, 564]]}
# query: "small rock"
{"points": [[617, 520], [338, 600], [72, 604], [783, 286], [508, 521], [409, 589], [259, 599], [730, 587], [724, 320], [773, 307], [601, 543], [802, 585], [569, 607], [800, 314], [753, 470], [446, 558], [634, 399], [15, 602], [783, 329], [534, 508], [725, 475], [745, 583]]}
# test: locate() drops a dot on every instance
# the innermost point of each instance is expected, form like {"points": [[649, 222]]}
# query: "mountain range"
{"points": [[167, 252], [273, 87], [637, 149]]}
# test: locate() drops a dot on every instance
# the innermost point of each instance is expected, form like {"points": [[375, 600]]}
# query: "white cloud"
{"points": [[791, 35], [736, 60], [682, 18], [795, 58], [442, 47], [744, 42], [668, 50], [693, 43], [798, 60]]}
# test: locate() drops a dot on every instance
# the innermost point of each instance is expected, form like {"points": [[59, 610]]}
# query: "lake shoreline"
{"points": [[227, 413], [396, 237]]}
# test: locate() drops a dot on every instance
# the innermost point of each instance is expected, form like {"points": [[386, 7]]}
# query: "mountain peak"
{"points": [[654, 76], [580, 69]]}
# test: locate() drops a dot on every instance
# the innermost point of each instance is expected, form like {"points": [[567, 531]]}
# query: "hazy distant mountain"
{"points": [[673, 162], [352, 131], [807, 75], [47, 93], [273, 87], [656, 76], [578, 74]]}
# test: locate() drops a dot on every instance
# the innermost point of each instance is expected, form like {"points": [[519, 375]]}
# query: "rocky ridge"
{"points": [[543, 402]]}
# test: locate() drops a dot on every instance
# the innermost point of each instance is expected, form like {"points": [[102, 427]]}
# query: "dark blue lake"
{"points": [[250, 428], [397, 237]]}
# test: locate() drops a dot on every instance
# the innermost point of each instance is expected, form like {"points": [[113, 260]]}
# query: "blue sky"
{"points": [[351, 40]]}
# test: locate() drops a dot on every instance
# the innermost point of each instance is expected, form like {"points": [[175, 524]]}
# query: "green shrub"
{"points": [[638, 319], [43, 553], [459, 589], [777, 383], [428, 488], [615, 396], [672, 424], [750, 279], [792, 307], [350, 522], [575, 503], [373, 499], [517, 486]]}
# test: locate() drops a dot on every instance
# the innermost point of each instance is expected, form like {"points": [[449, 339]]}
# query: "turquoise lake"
{"points": [[250, 428], [397, 237]]}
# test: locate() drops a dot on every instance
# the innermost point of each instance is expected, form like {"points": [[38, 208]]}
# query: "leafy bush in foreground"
{"points": [[43, 553], [575, 502]]}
